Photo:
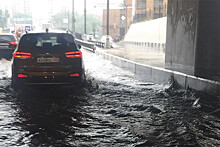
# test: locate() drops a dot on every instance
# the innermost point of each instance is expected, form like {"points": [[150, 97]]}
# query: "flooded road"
{"points": [[113, 109]]}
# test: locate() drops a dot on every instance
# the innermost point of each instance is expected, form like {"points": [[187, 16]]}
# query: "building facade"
{"points": [[21, 6], [133, 11], [119, 19], [149, 9], [165, 4]]}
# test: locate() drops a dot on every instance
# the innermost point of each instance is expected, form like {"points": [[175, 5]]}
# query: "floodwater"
{"points": [[114, 109]]}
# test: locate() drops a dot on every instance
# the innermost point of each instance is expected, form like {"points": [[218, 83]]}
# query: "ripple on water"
{"points": [[113, 110]]}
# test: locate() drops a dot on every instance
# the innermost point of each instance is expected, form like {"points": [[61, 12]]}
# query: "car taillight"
{"points": [[22, 55], [74, 75], [13, 43], [22, 76], [73, 54]]}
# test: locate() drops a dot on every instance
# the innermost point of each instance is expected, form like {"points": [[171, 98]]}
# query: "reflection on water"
{"points": [[50, 114]]}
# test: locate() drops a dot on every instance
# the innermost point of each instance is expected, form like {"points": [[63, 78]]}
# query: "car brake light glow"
{"points": [[22, 55], [13, 43], [74, 75], [22, 76], [73, 54]]}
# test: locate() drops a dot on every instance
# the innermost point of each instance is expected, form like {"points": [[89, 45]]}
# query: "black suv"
{"points": [[47, 58], [8, 43]]}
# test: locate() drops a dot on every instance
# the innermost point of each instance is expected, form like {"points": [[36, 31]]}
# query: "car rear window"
{"points": [[47, 41], [6, 38]]}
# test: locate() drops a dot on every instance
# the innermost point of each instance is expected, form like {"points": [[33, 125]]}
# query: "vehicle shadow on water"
{"points": [[50, 114]]}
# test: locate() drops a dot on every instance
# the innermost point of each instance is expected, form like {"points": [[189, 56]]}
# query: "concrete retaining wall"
{"points": [[150, 34], [147, 44], [153, 31], [193, 34], [160, 76]]}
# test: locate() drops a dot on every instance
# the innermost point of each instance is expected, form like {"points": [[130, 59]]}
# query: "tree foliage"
{"points": [[21, 15], [93, 23], [58, 20], [20, 18], [3, 18]]}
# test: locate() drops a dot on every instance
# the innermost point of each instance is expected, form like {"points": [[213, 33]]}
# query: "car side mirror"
{"points": [[79, 46]]}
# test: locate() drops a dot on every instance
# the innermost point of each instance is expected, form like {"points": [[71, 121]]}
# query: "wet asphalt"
{"points": [[114, 109]]}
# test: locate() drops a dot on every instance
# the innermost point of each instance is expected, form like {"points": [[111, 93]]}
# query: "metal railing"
{"points": [[90, 45], [98, 43], [87, 45]]}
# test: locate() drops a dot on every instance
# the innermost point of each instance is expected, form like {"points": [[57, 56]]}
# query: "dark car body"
{"points": [[117, 39], [47, 58], [8, 43]]}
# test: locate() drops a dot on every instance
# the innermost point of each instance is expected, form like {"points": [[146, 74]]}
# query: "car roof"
{"points": [[9, 34], [49, 31], [46, 33], [104, 36], [41, 33]]}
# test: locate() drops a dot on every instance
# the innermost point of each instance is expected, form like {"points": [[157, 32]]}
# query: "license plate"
{"points": [[47, 60]]}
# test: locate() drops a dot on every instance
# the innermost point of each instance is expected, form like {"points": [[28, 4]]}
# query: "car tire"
{"points": [[83, 80], [15, 83]]}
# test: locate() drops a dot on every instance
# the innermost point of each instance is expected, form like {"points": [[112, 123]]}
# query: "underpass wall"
{"points": [[193, 33], [161, 76], [149, 34]]}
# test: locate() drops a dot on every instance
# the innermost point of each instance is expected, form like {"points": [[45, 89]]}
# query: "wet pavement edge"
{"points": [[161, 76]]}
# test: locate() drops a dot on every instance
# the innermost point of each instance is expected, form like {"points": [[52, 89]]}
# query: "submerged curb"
{"points": [[160, 76]]}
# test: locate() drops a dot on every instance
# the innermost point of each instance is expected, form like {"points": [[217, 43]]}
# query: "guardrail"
{"points": [[148, 44], [98, 43], [86, 45], [90, 45]]}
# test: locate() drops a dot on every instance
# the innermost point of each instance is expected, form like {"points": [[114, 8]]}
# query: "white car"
{"points": [[103, 40], [90, 38]]}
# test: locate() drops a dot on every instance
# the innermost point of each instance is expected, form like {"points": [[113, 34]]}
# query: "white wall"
{"points": [[153, 31]]}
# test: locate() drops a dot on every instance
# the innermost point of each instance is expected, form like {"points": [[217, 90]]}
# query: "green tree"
{"points": [[21, 15], [21, 18], [93, 22], [58, 20], [3, 18]]}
